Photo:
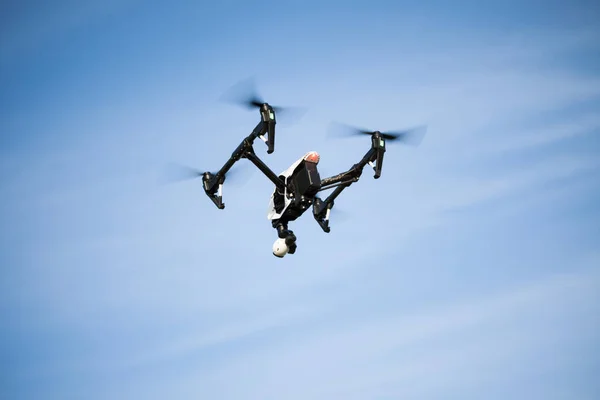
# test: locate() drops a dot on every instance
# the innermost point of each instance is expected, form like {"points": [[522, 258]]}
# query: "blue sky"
{"points": [[470, 270]]}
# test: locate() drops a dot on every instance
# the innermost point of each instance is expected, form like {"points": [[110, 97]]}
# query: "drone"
{"points": [[298, 188]]}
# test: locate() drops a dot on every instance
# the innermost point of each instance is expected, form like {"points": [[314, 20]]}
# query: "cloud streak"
{"points": [[358, 360], [128, 290]]}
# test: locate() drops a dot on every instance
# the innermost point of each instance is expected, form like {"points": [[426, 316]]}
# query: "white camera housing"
{"points": [[280, 249]]}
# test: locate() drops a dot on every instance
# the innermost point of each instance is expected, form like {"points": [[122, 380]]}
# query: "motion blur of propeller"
{"points": [[413, 136], [178, 173], [339, 215], [245, 94]]}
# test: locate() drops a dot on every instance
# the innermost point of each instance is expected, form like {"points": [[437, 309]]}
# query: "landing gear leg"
{"points": [[284, 233]]}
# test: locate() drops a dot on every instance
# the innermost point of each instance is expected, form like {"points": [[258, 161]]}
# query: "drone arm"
{"points": [[213, 183], [353, 174], [374, 155], [242, 149], [265, 169], [322, 208]]}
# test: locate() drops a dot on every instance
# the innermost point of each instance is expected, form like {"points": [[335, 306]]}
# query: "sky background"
{"points": [[470, 270]]}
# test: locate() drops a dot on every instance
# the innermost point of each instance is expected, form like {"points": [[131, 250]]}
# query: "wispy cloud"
{"points": [[537, 137], [147, 291], [361, 359], [477, 113], [26, 28]]}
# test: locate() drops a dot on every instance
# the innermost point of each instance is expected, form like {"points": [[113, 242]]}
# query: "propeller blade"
{"points": [[339, 130], [290, 114], [178, 173], [245, 94], [338, 215], [412, 136]]}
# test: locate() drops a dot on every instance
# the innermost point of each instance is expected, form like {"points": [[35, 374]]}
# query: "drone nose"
{"points": [[312, 157]]}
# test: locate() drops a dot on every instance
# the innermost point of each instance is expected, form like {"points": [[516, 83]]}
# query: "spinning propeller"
{"points": [[412, 136], [245, 94], [178, 173]]}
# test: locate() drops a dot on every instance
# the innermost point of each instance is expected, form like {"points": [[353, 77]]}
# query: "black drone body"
{"points": [[297, 189]]}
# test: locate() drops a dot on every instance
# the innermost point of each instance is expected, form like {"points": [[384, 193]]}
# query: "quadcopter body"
{"points": [[301, 184], [298, 188]]}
